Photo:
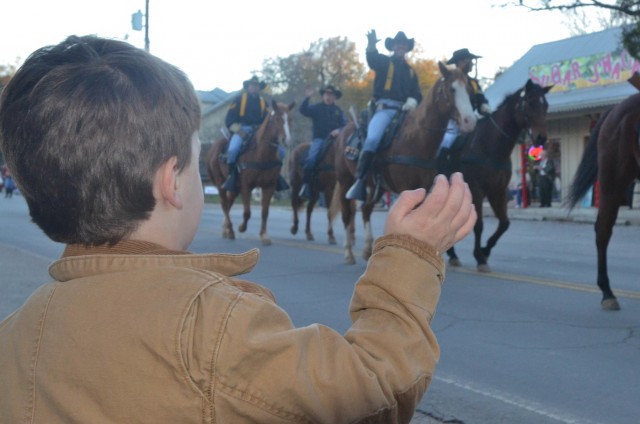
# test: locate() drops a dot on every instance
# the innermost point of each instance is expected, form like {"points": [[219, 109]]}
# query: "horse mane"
{"points": [[509, 99]]}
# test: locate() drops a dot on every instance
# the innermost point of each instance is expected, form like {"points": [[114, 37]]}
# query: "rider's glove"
{"points": [[410, 104], [485, 109]]}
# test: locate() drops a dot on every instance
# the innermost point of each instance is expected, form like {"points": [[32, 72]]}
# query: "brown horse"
{"points": [[485, 159], [323, 182], [409, 162], [612, 157], [259, 167]]}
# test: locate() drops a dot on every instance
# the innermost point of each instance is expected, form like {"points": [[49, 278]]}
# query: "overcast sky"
{"points": [[219, 43]]}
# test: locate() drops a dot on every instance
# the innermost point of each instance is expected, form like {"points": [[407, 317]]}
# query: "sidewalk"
{"points": [[626, 216]]}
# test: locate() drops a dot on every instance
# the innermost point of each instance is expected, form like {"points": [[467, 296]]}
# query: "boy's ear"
{"points": [[168, 179]]}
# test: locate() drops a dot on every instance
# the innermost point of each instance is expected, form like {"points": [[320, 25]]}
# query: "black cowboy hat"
{"points": [[254, 80], [400, 37], [331, 89], [461, 55]]}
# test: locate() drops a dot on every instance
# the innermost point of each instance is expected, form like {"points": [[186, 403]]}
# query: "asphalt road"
{"points": [[527, 343]]}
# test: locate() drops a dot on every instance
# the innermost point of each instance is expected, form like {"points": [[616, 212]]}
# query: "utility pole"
{"points": [[136, 24]]}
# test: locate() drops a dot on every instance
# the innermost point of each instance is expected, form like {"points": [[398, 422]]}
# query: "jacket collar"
{"points": [[82, 261]]}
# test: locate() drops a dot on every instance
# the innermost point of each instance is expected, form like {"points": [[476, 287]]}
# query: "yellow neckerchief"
{"points": [[243, 104], [474, 85], [390, 70]]}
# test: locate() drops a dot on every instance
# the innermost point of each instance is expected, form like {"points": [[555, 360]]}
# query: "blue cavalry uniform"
{"points": [[461, 58], [395, 88], [325, 119], [246, 112]]}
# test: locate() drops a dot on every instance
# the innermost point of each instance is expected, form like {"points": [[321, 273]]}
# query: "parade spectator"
{"points": [[134, 328]]}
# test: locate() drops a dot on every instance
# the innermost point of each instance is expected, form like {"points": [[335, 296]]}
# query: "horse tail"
{"points": [[335, 207], [588, 169]]}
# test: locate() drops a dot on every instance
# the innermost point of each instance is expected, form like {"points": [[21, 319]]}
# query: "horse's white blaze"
{"points": [[463, 104], [287, 133]]}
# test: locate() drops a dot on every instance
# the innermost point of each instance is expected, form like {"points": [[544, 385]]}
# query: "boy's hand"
{"points": [[441, 218]]}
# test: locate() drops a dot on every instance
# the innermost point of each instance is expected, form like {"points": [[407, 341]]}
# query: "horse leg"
{"points": [[310, 205], [367, 250], [607, 214], [295, 204], [226, 201], [246, 213], [499, 207], [454, 261], [328, 195], [348, 213], [267, 193]]}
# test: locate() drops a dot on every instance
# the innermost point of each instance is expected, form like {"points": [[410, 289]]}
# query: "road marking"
{"points": [[546, 282], [514, 401], [304, 244]]}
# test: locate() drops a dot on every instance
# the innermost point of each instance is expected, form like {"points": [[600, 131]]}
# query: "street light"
{"points": [[136, 24]]}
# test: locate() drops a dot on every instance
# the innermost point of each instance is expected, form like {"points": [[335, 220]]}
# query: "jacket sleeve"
{"points": [[265, 368], [306, 109], [232, 113]]}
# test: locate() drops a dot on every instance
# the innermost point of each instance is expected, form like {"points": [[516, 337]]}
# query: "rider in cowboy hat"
{"points": [[327, 119], [462, 59], [245, 113], [395, 88]]}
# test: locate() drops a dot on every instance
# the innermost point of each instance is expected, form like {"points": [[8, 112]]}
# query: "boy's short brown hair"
{"points": [[84, 126]]}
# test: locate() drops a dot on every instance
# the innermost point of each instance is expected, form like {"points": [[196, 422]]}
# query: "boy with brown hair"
{"points": [[102, 139]]}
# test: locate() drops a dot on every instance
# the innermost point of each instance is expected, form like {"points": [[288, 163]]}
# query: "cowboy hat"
{"points": [[399, 38], [254, 80], [331, 89], [461, 55]]}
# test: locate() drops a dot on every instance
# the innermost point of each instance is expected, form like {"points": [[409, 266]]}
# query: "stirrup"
{"points": [[281, 184]]}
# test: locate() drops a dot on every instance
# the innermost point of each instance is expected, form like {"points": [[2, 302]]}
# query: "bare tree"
{"points": [[625, 13]]}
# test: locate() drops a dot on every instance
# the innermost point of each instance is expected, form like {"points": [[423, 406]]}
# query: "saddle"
{"points": [[247, 141], [326, 144], [354, 144]]}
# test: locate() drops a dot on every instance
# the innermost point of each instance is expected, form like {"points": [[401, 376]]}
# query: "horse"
{"points": [[611, 157], [485, 159], [323, 182], [259, 167], [409, 162]]}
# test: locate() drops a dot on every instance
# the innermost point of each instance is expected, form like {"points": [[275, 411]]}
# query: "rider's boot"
{"points": [[444, 161], [358, 190], [305, 190], [281, 184], [231, 184]]}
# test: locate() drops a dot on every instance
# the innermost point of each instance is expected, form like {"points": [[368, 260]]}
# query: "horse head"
{"points": [[280, 117], [453, 97], [531, 111]]}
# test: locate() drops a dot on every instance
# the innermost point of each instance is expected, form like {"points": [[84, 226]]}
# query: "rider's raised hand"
{"points": [[440, 218], [372, 40]]}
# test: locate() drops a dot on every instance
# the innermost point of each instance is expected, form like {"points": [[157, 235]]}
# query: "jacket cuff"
{"points": [[419, 248]]}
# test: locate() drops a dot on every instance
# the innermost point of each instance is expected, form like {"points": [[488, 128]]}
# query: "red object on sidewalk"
{"points": [[523, 167]]}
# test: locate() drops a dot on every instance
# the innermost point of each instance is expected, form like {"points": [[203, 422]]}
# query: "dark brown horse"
{"points": [[324, 182], [259, 167], [612, 157], [485, 159], [409, 162]]}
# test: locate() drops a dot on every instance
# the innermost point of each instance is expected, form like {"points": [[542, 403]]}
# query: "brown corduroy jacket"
{"points": [[137, 334]]}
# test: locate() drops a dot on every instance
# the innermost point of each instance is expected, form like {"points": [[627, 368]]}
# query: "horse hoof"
{"points": [[294, 230], [332, 240], [611, 304], [266, 242], [484, 268], [455, 262], [310, 237], [349, 260]]}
